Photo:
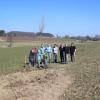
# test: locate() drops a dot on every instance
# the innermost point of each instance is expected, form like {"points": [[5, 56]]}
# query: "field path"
{"points": [[34, 85]]}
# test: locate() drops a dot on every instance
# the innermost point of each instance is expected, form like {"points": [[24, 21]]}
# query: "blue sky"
{"points": [[62, 17]]}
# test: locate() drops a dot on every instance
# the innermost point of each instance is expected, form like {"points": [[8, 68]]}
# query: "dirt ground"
{"points": [[45, 84]]}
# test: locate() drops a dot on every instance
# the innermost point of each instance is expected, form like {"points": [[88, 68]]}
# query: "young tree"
{"points": [[10, 39]]}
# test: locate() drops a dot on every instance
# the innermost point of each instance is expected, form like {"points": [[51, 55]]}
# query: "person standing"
{"points": [[42, 51], [49, 50], [39, 57], [55, 53], [65, 53], [35, 55], [61, 54], [32, 57], [45, 58], [72, 52]]}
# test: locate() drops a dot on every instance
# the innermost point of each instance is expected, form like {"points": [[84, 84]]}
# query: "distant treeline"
{"points": [[28, 34], [44, 34], [83, 38], [2, 33], [32, 34]]}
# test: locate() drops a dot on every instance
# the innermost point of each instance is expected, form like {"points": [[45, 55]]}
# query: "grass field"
{"points": [[12, 59], [85, 72]]}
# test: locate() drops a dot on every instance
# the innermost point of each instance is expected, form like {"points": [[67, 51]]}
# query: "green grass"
{"points": [[12, 59]]}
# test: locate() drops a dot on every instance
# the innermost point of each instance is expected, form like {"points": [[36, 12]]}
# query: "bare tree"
{"points": [[10, 39], [42, 25]]}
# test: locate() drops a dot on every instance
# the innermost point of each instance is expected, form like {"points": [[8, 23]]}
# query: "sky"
{"points": [[62, 17]]}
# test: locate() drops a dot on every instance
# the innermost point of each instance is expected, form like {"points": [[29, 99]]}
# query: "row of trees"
{"points": [[15, 33], [2, 33], [44, 34], [84, 38], [29, 34]]}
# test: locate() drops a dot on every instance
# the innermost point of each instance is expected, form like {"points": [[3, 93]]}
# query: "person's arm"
{"points": [[75, 51], [51, 49], [75, 48]]}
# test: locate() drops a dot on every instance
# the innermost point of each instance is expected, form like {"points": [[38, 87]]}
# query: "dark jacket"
{"points": [[61, 50], [31, 54], [72, 49], [66, 49]]}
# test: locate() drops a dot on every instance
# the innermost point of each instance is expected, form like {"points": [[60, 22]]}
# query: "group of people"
{"points": [[66, 51], [46, 54]]}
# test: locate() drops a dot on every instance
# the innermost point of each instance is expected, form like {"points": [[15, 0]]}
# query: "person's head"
{"points": [[41, 45], [72, 44], [55, 45], [32, 50], [66, 45], [61, 45]]}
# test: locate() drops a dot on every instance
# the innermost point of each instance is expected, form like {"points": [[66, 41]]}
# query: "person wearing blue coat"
{"points": [[49, 51]]}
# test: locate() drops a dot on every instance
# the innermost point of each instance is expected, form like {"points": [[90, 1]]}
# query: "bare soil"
{"points": [[45, 84]]}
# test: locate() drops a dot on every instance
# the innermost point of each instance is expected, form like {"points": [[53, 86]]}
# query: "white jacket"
{"points": [[55, 50]]}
